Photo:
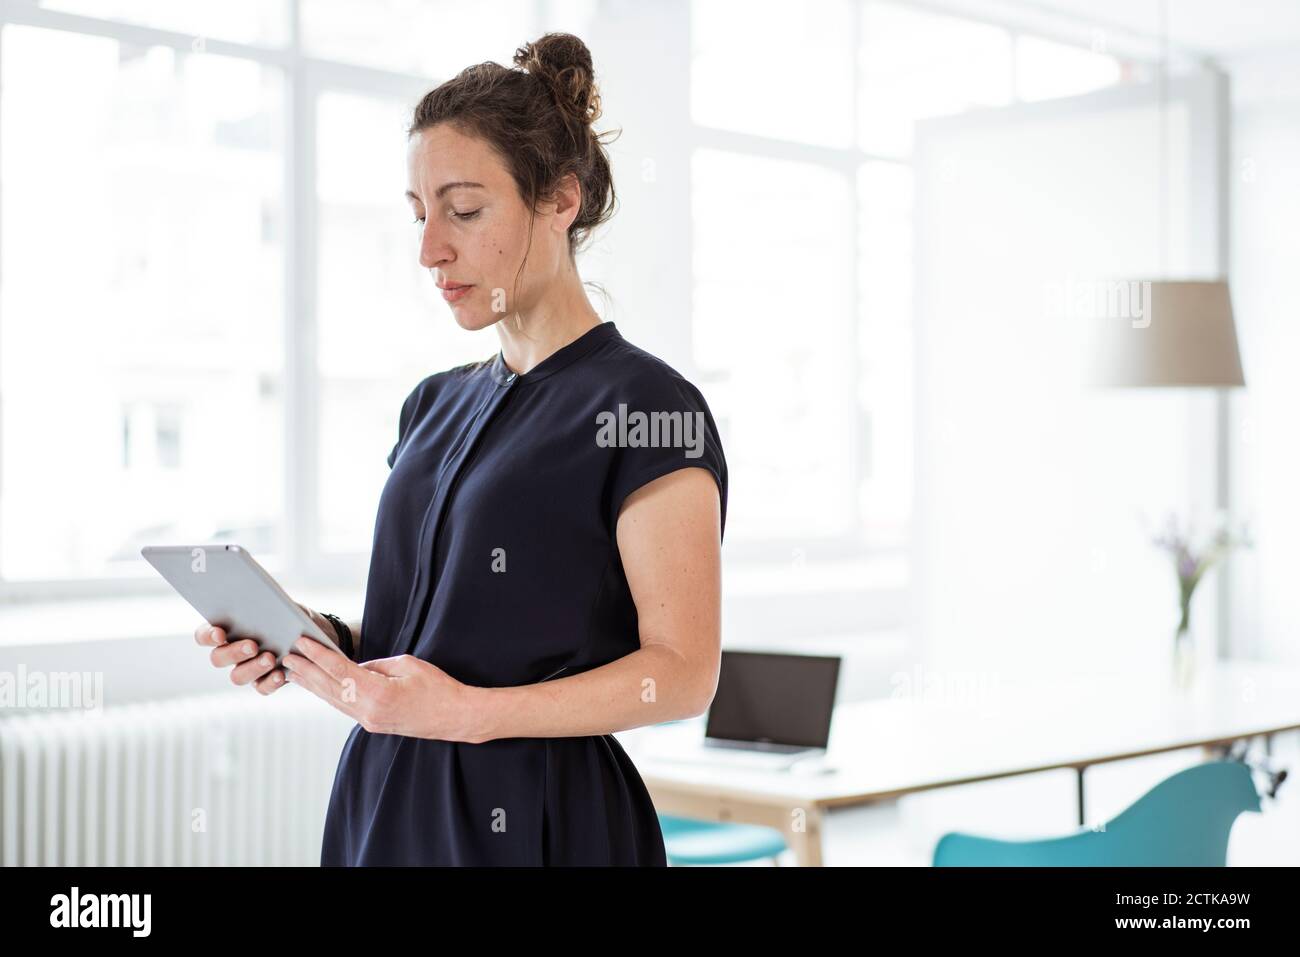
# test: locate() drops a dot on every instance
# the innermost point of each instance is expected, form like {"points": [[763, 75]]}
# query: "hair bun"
{"points": [[563, 62]]}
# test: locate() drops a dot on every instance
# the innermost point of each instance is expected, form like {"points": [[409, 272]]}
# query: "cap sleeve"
{"points": [[660, 423]]}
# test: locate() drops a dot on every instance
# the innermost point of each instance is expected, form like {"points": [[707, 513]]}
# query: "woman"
{"points": [[546, 560]]}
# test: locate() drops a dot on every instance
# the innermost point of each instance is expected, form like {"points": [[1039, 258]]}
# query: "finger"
{"points": [[321, 654], [337, 666], [321, 685], [309, 672], [331, 675], [206, 634], [233, 653], [338, 678], [270, 682], [252, 670]]}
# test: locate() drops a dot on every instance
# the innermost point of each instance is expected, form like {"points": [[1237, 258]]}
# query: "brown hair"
{"points": [[538, 119]]}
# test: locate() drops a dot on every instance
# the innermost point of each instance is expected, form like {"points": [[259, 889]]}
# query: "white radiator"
{"points": [[225, 779]]}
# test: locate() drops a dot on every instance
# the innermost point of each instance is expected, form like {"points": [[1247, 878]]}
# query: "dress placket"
{"points": [[421, 593]]}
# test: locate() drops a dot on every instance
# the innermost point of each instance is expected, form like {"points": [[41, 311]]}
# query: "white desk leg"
{"points": [[801, 826], [806, 844]]}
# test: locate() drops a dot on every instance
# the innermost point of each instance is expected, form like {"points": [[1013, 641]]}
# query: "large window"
{"points": [[141, 250], [802, 240], [420, 37], [381, 327], [773, 307], [211, 309]]}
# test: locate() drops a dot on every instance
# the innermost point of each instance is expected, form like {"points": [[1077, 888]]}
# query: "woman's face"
{"points": [[474, 227]]}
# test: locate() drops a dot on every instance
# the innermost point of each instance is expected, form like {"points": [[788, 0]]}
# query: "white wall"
{"points": [[1265, 266], [1030, 548]]}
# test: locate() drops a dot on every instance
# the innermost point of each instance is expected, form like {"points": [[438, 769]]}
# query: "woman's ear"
{"points": [[568, 201]]}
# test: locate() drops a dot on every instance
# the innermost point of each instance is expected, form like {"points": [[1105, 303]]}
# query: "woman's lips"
{"points": [[455, 293]]}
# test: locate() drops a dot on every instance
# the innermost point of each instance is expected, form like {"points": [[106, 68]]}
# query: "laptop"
{"points": [[770, 712]]}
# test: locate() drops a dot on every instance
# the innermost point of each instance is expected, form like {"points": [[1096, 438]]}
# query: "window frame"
{"points": [[846, 161], [306, 79]]}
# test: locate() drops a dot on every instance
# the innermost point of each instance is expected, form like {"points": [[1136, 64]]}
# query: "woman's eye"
{"points": [[419, 220], [470, 215]]}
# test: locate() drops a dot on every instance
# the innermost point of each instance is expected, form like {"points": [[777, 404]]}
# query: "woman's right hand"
{"points": [[259, 669]]}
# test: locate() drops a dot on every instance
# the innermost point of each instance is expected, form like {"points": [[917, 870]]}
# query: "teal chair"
{"points": [[1184, 821], [690, 841]]}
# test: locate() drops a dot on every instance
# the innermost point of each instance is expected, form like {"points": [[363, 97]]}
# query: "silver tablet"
{"points": [[229, 589]]}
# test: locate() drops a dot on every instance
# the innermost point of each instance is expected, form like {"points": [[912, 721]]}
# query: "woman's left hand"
{"points": [[402, 695]]}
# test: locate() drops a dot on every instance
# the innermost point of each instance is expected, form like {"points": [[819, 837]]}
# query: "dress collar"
{"points": [[502, 374]]}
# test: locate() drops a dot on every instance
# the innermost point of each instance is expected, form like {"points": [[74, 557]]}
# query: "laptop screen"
{"points": [[782, 699]]}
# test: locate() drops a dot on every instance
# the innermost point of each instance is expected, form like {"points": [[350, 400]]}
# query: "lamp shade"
{"points": [[1163, 333]]}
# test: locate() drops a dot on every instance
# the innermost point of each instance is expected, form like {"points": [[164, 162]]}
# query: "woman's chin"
{"points": [[472, 321]]}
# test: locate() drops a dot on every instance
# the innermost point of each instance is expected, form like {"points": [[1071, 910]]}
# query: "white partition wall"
{"points": [[1030, 551]]}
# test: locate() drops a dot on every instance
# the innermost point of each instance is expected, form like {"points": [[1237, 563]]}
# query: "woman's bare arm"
{"points": [[669, 538]]}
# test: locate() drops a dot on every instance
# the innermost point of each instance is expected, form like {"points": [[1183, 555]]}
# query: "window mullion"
{"points": [[301, 380]]}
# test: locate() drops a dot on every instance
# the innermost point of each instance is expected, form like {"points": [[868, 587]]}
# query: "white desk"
{"points": [[883, 749]]}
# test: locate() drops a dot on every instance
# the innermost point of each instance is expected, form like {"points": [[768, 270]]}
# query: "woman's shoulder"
{"points": [[657, 420], [440, 387], [450, 378], [634, 371]]}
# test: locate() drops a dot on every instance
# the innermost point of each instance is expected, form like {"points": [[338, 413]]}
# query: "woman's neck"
{"points": [[527, 340]]}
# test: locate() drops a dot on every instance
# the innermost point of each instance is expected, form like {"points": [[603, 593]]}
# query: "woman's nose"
{"points": [[434, 250]]}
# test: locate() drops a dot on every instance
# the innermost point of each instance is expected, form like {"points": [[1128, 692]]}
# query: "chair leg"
{"points": [[1079, 795]]}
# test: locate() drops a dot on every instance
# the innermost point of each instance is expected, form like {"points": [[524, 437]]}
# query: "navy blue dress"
{"points": [[495, 558]]}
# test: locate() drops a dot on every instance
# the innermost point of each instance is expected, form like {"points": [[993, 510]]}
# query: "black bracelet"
{"points": [[343, 632]]}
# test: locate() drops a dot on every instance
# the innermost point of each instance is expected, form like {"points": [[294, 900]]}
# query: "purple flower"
{"points": [[1191, 564]]}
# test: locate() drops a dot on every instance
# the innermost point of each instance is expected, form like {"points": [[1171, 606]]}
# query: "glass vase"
{"points": [[1184, 657]]}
